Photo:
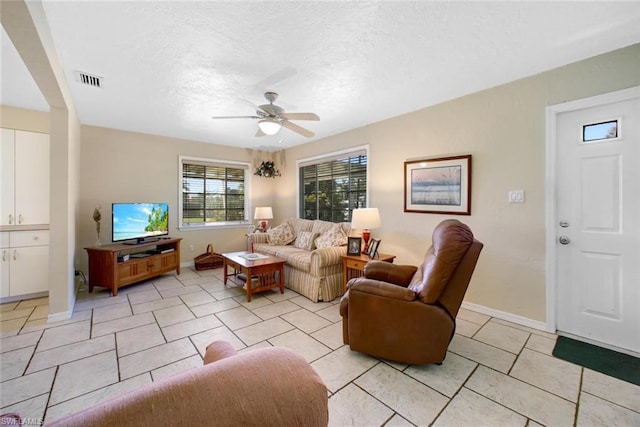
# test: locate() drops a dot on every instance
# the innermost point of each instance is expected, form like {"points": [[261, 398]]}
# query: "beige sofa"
{"points": [[315, 273], [266, 387]]}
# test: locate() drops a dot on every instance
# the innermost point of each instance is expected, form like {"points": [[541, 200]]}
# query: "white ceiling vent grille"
{"points": [[88, 79]]}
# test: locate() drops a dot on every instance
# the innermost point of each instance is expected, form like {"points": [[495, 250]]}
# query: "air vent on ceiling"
{"points": [[88, 79]]}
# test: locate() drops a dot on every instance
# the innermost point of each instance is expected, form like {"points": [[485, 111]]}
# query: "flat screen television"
{"points": [[138, 222]]}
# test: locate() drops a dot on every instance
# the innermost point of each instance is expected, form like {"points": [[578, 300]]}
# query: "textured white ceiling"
{"points": [[169, 66]]}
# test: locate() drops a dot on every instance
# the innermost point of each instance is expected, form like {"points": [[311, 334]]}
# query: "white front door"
{"points": [[597, 223]]}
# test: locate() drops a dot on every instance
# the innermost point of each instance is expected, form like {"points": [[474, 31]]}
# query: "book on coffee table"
{"points": [[253, 256]]}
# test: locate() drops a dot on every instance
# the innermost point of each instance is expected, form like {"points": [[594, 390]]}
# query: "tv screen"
{"points": [[139, 221]]}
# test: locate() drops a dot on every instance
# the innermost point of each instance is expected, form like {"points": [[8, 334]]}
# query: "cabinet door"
{"points": [[4, 264], [4, 272], [31, 177], [29, 270], [7, 183], [164, 262], [133, 271]]}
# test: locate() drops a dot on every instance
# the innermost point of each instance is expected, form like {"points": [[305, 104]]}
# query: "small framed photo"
{"points": [[441, 186], [353, 246], [373, 248]]}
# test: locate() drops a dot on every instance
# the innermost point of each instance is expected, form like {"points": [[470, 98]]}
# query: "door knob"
{"points": [[564, 240]]}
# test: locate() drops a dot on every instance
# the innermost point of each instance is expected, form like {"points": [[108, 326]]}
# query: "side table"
{"points": [[353, 266]]}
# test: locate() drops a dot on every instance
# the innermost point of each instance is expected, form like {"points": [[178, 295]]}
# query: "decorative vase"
{"points": [[97, 216]]}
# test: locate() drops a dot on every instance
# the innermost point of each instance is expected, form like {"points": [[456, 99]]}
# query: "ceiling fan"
{"points": [[271, 118]]}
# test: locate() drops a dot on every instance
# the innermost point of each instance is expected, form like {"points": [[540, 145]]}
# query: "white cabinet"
{"points": [[24, 262], [24, 160], [5, 256]]}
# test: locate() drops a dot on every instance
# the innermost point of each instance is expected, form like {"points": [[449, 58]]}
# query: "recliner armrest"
{"points": [[392, 273], [383, 289]]}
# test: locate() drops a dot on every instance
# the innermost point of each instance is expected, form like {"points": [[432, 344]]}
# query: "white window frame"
{"points": [[215, 162]]}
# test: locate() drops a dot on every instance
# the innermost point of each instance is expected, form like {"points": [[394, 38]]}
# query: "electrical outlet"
{"points": [[516, 196], [190, 248]]}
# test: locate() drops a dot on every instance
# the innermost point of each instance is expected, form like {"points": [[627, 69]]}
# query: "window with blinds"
{"points": [[331, 188], [213, 192]]}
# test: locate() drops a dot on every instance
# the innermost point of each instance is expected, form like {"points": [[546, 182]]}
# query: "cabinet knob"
{"points": [[4, 255], [20, 218], [15, 255], [10, 219], [35, 237]]}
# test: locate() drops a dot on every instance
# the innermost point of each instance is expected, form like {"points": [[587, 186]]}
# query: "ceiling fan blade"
{"points": [[260, 133], [300, 116], [297, 129], [256, 108], [236, 117]]}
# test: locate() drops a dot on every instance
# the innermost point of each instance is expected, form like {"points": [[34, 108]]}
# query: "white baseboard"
{"points": [[4, 300], [58, 317], [186, 264], [503, 315]]}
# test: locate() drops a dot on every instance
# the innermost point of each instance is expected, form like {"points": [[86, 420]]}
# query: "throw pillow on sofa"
{"points": [[332, 237], [281, 235], [306, 240]]}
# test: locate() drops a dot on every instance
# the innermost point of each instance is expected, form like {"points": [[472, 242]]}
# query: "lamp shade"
{"points": [[365, 218], [263, 212], [269, 126]]}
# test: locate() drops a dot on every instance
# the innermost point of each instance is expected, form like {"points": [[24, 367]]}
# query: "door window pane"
{"points": [[600, 131]]}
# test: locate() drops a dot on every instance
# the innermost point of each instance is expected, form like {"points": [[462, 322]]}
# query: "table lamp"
{"points": [[365, 219], [263, 213]]}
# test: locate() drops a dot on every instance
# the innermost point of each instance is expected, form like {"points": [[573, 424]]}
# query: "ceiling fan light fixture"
{"points": [[269, 126]]}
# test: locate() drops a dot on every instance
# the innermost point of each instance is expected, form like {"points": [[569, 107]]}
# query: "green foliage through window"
{"points": [[331, 190]]}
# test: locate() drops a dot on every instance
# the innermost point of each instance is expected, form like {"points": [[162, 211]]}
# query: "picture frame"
{"points": [[353, 245], [438, 185], [373, 248]]}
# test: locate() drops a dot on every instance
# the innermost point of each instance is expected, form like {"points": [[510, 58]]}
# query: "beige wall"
{"points": [[504, 129], [118, 166], [19, 118]]}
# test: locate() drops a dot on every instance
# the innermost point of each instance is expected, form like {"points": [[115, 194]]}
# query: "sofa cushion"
{"points": [[300, 224], [300, 259], [305, 240], [281, 235], [334, 236], [322, 226]]}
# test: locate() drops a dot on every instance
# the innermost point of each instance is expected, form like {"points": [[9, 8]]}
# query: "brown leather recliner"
{"points": [[407, 314]]}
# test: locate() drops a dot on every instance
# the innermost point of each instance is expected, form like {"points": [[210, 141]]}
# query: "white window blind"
{"points": [[332, 186], [213, 192]]}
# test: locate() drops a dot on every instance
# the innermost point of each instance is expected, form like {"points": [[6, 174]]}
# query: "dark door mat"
{"points": [[608, 362]]}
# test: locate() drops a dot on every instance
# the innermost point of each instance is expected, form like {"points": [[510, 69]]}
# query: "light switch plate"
{"points": [[516, 196]]}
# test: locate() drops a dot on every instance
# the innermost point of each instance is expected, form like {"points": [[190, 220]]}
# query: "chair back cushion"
{"points": [[451, 240]]}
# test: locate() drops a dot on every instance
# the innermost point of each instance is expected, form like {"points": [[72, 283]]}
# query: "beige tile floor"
{"points": [[496, 373]]}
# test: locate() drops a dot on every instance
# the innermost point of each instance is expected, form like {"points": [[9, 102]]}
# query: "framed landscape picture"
{"points": [[441, 185]]}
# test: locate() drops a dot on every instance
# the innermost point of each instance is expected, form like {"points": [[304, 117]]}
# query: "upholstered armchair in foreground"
{"points": [[405, 313], [265, 387]]}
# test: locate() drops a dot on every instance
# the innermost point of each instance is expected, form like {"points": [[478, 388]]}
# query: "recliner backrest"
{"points": [[451, 241]]}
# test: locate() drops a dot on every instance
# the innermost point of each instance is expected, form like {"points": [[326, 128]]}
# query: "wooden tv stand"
{"points": [[156, 258]]}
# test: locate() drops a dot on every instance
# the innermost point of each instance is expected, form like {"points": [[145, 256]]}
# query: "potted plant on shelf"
{"points": [[267, 169]]}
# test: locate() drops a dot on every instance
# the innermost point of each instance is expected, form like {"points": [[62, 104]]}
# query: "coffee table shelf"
{"points": [[268, 271]]}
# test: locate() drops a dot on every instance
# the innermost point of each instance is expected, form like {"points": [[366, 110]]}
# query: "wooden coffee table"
{"points": [[263, 269]]}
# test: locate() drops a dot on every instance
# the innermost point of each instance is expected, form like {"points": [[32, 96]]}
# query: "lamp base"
{"points": [[263, 225], [366, 235]]}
